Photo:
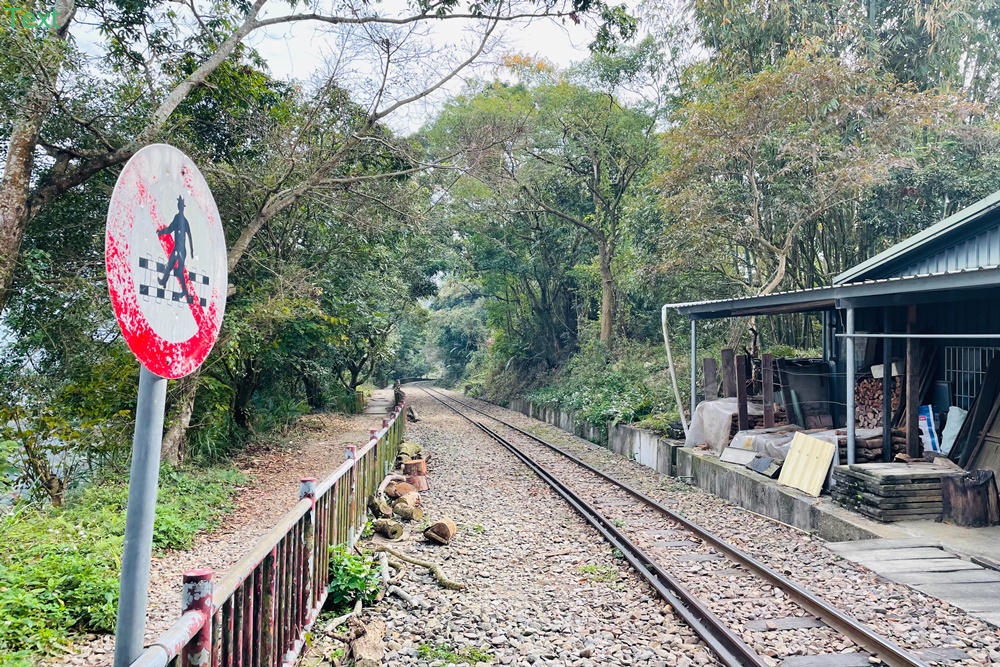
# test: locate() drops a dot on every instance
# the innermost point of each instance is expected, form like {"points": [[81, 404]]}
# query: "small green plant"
{"points": [[451, 656], [352, 578], [617, 553], [369, 530], [618, 523], [478, 529], [599, 572]]}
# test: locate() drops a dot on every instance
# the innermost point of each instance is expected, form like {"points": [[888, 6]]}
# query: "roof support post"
{"points": [[850, 387], [887, 382], [694, 367]]}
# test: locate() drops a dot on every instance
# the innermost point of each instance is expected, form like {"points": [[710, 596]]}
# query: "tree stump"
{"points": [[970, 499], [399, 489], [388, 528], [419, 482], [442, 531], [407, 513], [415, 467], [412, 499]]}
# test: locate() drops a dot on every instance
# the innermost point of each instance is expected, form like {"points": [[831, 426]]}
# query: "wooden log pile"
{"points": [[868, 444], [890, 492], [868, 401], [757, 421]]}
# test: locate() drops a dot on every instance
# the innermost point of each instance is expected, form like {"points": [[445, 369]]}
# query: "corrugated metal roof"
{"points": [[922, 241], [822, 298]]}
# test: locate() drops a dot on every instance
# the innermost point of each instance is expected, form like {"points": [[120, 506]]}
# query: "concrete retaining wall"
{"points": [[732, 482]]}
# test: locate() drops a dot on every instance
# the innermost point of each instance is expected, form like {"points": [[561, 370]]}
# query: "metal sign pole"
{"points": [[133, 588]]}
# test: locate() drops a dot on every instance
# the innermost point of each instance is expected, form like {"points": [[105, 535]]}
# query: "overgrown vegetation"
{"points": [[353, 577], [449, 655], [60, 567]]}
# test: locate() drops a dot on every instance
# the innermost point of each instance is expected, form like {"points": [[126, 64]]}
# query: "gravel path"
{"points": [[911, 618], [543, 587], [315, 449]]}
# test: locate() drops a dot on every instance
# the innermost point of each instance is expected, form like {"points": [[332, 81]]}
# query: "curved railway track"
{"points": [[678, 568]]}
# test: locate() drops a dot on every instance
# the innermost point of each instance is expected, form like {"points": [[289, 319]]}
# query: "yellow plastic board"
{"points": [[807, 464]]}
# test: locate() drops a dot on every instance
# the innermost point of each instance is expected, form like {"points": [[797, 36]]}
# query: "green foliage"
{"points": [[449, 655], [62, 578], [352, 577], [599, 572]]}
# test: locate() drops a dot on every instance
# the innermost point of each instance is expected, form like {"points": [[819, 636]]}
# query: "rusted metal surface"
{"points": [[259, 612]]}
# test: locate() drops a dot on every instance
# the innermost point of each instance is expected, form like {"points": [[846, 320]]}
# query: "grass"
{"points": [[61, 576], [598, 572], [451, 656]]}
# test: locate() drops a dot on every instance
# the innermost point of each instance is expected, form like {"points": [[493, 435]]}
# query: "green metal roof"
{"points": [[928, 241]]}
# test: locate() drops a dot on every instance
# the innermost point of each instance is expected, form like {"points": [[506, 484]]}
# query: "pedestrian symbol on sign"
{"points": [[181, 230]]}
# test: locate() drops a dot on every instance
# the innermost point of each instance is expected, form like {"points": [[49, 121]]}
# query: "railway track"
{"points": [[688, 565]]}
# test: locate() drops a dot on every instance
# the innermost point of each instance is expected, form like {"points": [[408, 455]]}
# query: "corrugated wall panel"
{"points": [[978, 251]]}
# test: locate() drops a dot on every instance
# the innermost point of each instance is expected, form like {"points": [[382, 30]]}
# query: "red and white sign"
{"points": [[166, 261]]}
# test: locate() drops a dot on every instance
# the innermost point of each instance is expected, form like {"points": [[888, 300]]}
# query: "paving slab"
{"points": [[917, 565], [674, 545], [888, 543], [970, 597], [912, 553], [698, 557], [958, 577]]}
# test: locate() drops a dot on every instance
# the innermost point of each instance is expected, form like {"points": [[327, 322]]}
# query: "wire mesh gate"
{"points": [[259, 612]]}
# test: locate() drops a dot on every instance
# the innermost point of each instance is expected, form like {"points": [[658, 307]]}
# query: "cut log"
{"points": [[442, 531], [411, 449], [388, 528], [367, 648], [415, 467], [412, 499], [970, 499], [419, 482], [385, 483], [379, 508], [407, 513], [399, 489]]}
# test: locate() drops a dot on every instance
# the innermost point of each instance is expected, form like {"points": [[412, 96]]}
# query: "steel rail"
{"points": [[721, 640], [883, 648]]}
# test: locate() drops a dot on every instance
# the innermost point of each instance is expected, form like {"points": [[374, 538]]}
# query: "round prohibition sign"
{"points": [[165, 253]]}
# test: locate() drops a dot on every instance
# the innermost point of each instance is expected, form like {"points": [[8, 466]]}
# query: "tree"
{"points": [[176, 55], [554, 150]]}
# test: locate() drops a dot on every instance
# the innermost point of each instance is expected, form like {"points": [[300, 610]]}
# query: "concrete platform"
{"points": [[931, 569]]}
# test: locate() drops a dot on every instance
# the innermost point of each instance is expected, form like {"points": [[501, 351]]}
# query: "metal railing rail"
{"points": [[260, 611]]}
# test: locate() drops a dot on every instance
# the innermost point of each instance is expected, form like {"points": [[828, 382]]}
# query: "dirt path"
{"points": [[315, 449]]}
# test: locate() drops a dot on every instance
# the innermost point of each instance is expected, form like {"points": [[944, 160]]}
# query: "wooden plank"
{"points": [[807, 464], [787, 623], [887, 382], [698, 557], [741, 392], [827, 660], [940, 654], [767, 381], [728, 373], [675, 545], [711, 378]]}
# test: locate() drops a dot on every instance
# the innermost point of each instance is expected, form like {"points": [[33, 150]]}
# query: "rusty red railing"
{"points": [[259, 612]]}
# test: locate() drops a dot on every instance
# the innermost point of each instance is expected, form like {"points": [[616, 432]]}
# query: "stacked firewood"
{"points": [[868, 401], [868, 444]]}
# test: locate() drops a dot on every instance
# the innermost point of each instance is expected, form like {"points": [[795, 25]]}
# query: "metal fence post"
{"points": [[307, 489], [197, 596]]}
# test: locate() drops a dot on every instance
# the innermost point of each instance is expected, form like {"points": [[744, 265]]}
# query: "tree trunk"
{"points": [[174, 446], [607, 292], [16, 183]]}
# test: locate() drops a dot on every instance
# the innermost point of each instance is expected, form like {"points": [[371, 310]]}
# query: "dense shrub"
{"points": [[59, 572]]}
